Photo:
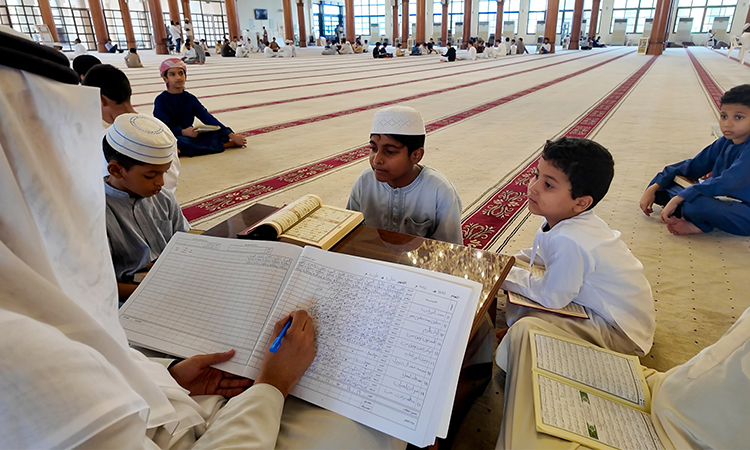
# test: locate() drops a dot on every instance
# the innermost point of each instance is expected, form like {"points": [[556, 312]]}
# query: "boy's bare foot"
{"points": [[501, 334], [682, 227]]}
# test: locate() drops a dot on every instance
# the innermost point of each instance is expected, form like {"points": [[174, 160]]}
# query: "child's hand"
{"points": [[670, 208], [189, 132], [647, 201]]}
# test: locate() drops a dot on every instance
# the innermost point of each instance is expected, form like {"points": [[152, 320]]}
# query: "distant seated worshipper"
{"points": [[289, 50], [268, 53], [521, 47], [431, 47], [79, 49], [132, 60], [274, 45], [383, 52], [396, 193], [69, 377], [449, 55], [178, 109], [329, 49], [701, 404], [141, 216], [399, 50], [722, 199], [500, 49], [376, 51], [82, 64], [345, 48], [112, 48], [470, 54], [357, 47], [218, 47], [190, 55], [115, 92], [226, 50], [415, 50], [546, 47]]}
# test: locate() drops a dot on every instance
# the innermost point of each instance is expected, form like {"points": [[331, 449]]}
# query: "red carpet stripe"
{"points": [[346, 112], [732, 57], [345, 80], [712, 89], [252, 191], [482, 227]]}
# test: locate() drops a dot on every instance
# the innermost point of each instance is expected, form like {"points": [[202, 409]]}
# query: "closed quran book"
{"points": [[306, 221], [570, 310]]}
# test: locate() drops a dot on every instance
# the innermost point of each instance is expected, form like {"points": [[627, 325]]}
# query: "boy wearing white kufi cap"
{"points": [[141, 216], [397, 193]]}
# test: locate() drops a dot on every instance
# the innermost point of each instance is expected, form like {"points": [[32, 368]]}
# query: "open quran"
{"points": [[306, 221], [390, 339]]}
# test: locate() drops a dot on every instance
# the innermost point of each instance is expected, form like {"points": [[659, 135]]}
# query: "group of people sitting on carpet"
{"points": [[61, 259]]}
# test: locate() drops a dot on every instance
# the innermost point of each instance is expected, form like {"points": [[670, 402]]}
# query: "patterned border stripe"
{"points": [[482, 227], [218, 203], [712, 89]]}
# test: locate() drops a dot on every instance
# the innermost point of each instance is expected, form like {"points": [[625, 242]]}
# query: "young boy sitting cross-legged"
{"points": [[585, 261], [397, 193], [141, 216], [725, 165], [178, 109]]}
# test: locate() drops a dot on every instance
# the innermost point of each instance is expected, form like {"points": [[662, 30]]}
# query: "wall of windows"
{"points": [[412, 15], [368, 12], [587, 4], [511, 11], [209, 19], [488, 13], [455, 14], [537, 12], [565, 16], [704, 11], [635, 12], [437, 12], [73, 21], [23, 15], [326, 18]]}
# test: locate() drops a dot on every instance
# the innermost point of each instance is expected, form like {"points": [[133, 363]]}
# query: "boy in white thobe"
{"points": [[585, 261]]}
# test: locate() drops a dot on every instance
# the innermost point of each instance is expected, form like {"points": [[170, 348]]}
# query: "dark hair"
{"points": [[738, 95], [110, 154], [588, 165], [111, 81], [411, 142], [133, 50], [77, 41], [82, 63]]}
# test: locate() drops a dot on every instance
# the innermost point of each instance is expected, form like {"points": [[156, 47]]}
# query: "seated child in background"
{"points": [[585, 260], [397, 193], [141, 216], [449, 55], [695, 209], [133, 61], [400, 51], [178, 109], [115, 92]]}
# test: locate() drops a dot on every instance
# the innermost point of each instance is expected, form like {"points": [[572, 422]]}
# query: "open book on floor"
{"points": [[570, 310], [306, 221], [590, 395], [390, 339]]}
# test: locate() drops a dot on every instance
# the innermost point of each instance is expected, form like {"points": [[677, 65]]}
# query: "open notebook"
{"points": [[390, 339], [570, 310], [590, 395]]}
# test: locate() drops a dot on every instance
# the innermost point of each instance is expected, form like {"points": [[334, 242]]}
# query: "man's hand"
{"points": [[238, 140], [284, 368], [197, 376], [647, 201], [189, 132], [670, 208]]}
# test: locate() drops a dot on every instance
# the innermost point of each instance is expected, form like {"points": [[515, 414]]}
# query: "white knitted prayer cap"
{"points": [[398, 120], [142, 138]]}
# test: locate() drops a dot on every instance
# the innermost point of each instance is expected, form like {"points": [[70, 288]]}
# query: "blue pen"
{"points": [[277, 342]]}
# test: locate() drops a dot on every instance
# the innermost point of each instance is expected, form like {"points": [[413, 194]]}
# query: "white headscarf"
{"points": [[66, 371]]}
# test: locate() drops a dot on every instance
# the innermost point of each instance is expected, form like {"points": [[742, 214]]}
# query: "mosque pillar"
{"points": [[467, 23], [594, 19], [186, 10], [349, 20], [127, 23], [157, 20], [47, 18], [659, 31], [444, 27], [404, 21], [394, 19], [499, 21], [174, 11], [420, 37], [286, 5], [234, 21], [575, 29], [100, 27], [550, 23], [301, 22]]}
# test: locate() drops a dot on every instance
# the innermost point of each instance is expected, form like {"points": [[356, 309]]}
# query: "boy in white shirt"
{"points": [[397, 193], [585, 261], [79, 49]]}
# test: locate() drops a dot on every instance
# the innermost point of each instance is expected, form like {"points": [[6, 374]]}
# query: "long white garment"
{"points": [[67, 376], [468, 55], [587, 263], [79, 50], [501, 50]]}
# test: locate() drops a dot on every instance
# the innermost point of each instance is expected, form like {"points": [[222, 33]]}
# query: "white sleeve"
{"points": [[525, 256], [563, 278], [449, 219], [249, 421], [353, 203]]}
